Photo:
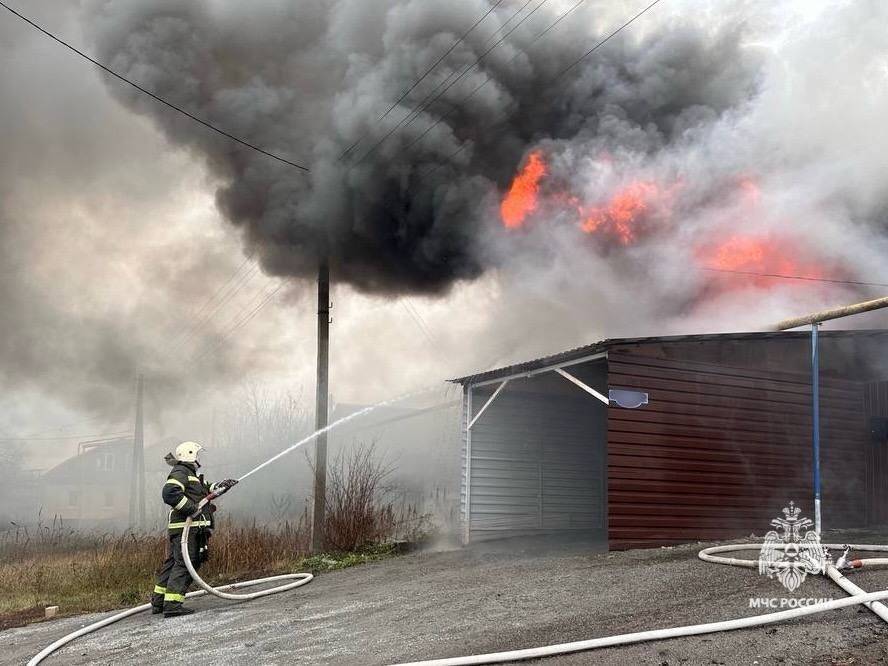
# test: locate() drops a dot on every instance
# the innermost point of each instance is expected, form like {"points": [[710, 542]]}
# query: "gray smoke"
{"points": [[400, 214], [98, 271]]}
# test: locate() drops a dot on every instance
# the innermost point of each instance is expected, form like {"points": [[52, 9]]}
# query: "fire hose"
{"points": [[298, 579]]}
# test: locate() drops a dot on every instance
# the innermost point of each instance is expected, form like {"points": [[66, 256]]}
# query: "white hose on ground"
{"points": [[95, 626], [839, 579], [298, 579], [301, 578], [859, 596]]}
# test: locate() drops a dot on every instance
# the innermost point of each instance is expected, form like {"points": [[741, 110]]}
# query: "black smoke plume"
{"points": [[403, 212]]}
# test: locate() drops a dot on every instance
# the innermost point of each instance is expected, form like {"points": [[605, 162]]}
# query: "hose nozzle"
{"points": [[843, 562]]}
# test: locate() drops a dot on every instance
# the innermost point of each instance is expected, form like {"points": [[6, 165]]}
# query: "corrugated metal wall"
{"points": [[877, 467], [536, 461], [720, 450]]}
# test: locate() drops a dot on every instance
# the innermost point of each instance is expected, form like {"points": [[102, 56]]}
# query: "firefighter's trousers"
{"points": [[173, 578]]}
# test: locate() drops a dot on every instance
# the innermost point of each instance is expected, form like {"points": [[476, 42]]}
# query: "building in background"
{"points": [[723, 445], [92, 488]]}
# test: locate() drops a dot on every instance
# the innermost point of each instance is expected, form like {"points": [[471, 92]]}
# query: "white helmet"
{"points": [[187, 452]]}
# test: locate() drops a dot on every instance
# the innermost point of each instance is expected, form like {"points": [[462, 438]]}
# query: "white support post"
{"points": [[467, 409], [588, 389], [487, 404]]}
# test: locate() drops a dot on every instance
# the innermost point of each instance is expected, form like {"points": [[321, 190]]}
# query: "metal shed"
{"points": [[722, 446]]}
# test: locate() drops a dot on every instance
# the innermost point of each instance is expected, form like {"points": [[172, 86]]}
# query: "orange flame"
{"points": [[622, 211], [521, 199], [758, 260]]}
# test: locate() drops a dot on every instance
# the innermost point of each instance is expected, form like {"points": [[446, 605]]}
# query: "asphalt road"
{"points": [[438, 604]]}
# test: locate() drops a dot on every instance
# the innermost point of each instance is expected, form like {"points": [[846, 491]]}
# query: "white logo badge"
{"points": [[788, 553]]}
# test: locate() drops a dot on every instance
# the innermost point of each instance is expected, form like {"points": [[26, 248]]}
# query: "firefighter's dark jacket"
{"points": [[183, 490]]}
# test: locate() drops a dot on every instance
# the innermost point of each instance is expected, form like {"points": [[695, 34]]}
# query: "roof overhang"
{"points": [[599, 350]]}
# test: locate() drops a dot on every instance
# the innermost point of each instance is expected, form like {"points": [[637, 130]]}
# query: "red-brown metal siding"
{"points": [[877, 468], [720, 450]]}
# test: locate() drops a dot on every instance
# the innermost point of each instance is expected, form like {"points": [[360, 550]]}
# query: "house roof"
{"points": [[604, 345], [77, 465]]}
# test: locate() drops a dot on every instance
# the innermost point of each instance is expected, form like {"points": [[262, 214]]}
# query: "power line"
{"points": [[198, 317], [606, 39], [597, 46], [151, 94], [56, 429], [486, 128], [418, 320], [220, 289], [797, 277], [67, 437], [227, 298], [431, 98], [241, 322], [424, 75], [449, 82], [486, 80]]}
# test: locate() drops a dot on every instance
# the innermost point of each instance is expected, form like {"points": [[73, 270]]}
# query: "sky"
{"points": [[120, 221]]}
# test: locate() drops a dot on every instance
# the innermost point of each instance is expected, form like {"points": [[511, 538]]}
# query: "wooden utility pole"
{"points": [[320, 459], [137, 481]]}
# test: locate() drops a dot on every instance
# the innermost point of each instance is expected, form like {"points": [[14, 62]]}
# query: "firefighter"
{"points": [[183, 490]]}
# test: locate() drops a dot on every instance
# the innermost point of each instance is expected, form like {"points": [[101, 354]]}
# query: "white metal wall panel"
{"points": [[536, 462]]}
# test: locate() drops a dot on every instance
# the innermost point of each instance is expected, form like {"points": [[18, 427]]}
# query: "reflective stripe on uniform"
{"points": [[194, 523], [178, 483], [172, 596], [193, 478], [182, 502], [159, 590]]}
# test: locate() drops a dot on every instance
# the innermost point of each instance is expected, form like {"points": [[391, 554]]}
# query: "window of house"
{"points": [[73, 497], [105, 462]]}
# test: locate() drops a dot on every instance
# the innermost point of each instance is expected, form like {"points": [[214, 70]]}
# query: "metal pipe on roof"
{"points": [[834, 313]]}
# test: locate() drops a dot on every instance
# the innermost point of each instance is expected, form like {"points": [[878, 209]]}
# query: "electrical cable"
{"points": [[424, 75], [241, 322], [486, 80], [564, 71], [432, 97], [797, 277], [226, 299], [219, 291], [152, 95], [606, 39], [418, 320], [65, 437]]}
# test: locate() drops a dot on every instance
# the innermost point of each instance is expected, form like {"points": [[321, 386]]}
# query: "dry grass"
{"points": [[359, 511]]}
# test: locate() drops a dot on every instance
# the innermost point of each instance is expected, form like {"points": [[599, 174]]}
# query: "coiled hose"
{"points": [[298, 579]]}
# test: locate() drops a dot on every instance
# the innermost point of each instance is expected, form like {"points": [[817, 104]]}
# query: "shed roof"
{"points": [[604, 345]]}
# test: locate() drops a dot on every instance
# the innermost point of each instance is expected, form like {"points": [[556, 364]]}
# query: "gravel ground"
{"points": [[459, 602]]}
